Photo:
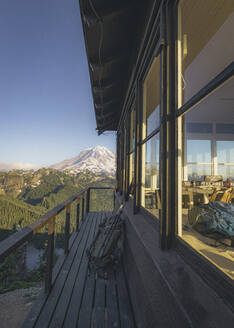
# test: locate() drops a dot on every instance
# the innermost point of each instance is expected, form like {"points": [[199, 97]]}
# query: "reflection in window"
{"points": [[131, 167], [199, 151], [151, 189], [225, 128], [151, 99], [225, 151], [198, 160], [201, 49], [199, 127], [197, 172], [123, 164], [132, 129], [225, 159], [206, 214]]}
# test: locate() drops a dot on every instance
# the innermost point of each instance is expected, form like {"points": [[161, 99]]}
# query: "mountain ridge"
{"points": [[97, 159]]}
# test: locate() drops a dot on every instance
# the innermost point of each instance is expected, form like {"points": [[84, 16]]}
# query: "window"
{"points": [[151, 176], [126, 146], [150, 196], [225, 159], [205, 29], [131, 147], [118, 162], [206, 131], [151, 99], [132, 129], [198, 162], [122, 158]]}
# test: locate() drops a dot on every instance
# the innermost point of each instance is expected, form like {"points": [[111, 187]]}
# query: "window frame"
{"points": [[199, 96], [202, 265], [142, 142]]}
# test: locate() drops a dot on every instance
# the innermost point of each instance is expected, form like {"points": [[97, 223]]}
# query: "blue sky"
{"points": [[46, 104]]}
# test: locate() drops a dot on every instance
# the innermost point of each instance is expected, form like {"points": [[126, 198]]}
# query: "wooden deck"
{"points": [[81, 299]]}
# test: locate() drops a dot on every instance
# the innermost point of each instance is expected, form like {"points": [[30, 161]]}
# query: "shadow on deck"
{"points": [[79, 298]]}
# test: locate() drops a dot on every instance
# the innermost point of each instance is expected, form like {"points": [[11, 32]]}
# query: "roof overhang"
{"points": [[112, 31]]}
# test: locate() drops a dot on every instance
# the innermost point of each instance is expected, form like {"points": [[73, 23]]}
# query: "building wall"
{"points": [[177, 162], [165, 289]]}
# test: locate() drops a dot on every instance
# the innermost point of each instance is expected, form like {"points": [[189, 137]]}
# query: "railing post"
{"points": [[67, 229], [77, 214], [88, 200], [82, 208], [50, 255]]}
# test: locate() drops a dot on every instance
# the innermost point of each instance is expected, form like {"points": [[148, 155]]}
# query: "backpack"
{"points": [[107, 246]]}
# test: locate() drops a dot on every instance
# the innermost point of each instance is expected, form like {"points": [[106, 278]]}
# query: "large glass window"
{"points": [[151, 99], [150, 197], [131, 149], [198, 159], [122, 158], [151, 181], [207, 216], [205, 30], [206, 131], [225, 159], [132, 129], [126, 147]]}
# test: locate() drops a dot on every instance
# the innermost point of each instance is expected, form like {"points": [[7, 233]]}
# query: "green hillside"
{"points": [[27, 195], [13, 210], [24, 197]]}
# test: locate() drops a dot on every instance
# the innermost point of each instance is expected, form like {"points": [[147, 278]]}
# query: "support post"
{"points": [[50, 255], [67, 230], [82, 209], [88, 200], [77, 214]]}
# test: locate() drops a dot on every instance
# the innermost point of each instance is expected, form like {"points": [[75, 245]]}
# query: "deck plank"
{"points": [[64, 300], [47, 312], [88, 301], [72, 315], [38, 304], [81, 299], [85, 314], [126, 317], [99, 304], [112, 311]]}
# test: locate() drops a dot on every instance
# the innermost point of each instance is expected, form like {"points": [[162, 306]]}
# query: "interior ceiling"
{"points": [[112, 30]]}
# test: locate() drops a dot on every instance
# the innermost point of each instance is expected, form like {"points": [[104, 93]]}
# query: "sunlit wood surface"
{"points": [[79, 298]]}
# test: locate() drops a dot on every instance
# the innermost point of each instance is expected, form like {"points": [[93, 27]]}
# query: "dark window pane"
{"points": [[225, 128], [199, 127]]}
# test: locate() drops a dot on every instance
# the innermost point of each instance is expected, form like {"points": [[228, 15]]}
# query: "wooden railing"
{"points": [[11, 243]]}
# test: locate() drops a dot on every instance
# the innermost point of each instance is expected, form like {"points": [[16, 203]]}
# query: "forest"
{"points": [[24, 197]]}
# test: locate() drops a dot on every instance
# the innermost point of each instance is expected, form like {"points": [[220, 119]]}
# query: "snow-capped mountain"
{"points": [[98, 160]]}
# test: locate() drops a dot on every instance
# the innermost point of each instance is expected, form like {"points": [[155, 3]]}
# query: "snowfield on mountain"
{"points": [[98, 160]]}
